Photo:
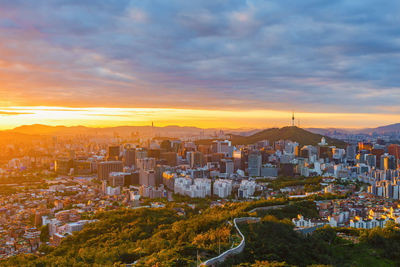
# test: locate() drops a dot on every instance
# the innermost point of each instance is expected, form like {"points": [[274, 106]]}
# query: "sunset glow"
{"points": [[103, 117], [231, 65]]}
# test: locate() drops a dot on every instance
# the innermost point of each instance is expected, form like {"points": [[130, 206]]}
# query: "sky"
{"points": [[208, 63]]}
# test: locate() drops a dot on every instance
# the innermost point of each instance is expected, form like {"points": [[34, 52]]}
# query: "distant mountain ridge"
{"points": [[293, 133], [388, 129], [179, 131], [384, 130], [239, 136], [40, 129]]}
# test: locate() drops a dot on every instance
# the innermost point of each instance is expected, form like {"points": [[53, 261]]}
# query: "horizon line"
{"points": [[192, 126]]}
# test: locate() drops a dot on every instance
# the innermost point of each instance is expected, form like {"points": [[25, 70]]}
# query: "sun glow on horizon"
{"points": [[14, 116]]}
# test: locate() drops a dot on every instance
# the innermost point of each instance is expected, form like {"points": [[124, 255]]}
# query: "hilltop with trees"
{"points": [[161, 237], [292, 133]]}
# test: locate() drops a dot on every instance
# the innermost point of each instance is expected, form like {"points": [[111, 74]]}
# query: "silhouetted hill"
{"points": [[294, 133]]}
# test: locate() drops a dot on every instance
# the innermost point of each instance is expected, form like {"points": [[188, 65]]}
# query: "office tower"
{"points": [[166, 145], [117, 178], [238, 159], [265, 156], [224, 147], [130, 157], [370, 160], [338, 153], [304, 152], [131, 178], [226, 166], [378, 153], [205, 149], [82, 167], [324, 152], [290, 147], [269, 170], [364, 146], [394, 150], [392, 162], [105, 168], [145, 163], [195, 159], [154, 153], [63, 165], [159, 170], [39, 213], [351, 153], [388, 162], [254, 162], [113, 153], [170, 158], [140, 154], [176, 146], [216, 157]]}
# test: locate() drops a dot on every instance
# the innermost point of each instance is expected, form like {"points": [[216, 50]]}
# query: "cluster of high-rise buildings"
{"points": [[181, 167], [161, 161]]}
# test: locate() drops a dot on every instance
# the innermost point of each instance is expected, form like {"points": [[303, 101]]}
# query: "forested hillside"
{"points": [[161, 237]]}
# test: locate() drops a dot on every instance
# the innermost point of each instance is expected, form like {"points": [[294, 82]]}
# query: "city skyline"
{"points": [[207, 64], [95, 117]]}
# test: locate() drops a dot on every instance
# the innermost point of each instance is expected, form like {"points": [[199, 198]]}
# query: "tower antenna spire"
{"points": [[293, 118]]}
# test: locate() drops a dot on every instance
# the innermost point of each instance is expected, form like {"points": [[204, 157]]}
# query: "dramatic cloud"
{"points": [[312, 56]]}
